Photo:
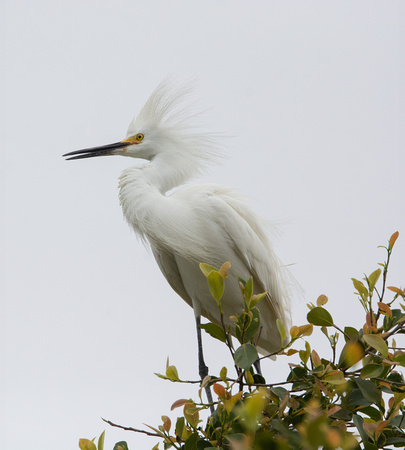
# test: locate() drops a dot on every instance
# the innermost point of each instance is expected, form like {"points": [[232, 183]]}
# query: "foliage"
{"points": [[353, 400]]}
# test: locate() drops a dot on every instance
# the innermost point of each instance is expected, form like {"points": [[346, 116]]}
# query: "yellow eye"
{"points": [[139, 137]]}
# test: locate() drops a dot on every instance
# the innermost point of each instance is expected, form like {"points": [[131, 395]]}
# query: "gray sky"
{"points": [[312, 95]]}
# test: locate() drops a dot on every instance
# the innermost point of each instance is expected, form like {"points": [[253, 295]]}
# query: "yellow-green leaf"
{"points": [[322, 300], [361, 289], [86, 444], [376, 342], [351, 354], [281, 330], [256, 299], [306, 330], [216, 285], [372, 280], [171, 372], [230, 403], [335, 377], [248, 291], [100, 444], [191, 414], [206, 269]]}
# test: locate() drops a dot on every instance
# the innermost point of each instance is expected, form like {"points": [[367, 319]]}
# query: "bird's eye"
{"points": [[139, 137]]}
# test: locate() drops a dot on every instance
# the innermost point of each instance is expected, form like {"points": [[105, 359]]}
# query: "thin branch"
{"points": [[131, 429], [385, 272], [395, 330], [396, 383]]}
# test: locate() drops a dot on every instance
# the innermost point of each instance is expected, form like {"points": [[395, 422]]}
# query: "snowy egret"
{"points": [[195, 223]]}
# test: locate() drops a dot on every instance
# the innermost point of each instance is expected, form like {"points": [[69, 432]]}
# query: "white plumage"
{"points": [[196, 223]]}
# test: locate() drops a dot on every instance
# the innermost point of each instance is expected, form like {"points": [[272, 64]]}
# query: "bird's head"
{"points": [[165, 127]]}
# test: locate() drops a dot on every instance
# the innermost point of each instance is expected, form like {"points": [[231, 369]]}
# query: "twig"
{"points": [[395, 330], [132, 429], [385, 272]]}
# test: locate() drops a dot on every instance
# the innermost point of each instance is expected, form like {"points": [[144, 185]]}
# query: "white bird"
{"points": [[195, 223]]}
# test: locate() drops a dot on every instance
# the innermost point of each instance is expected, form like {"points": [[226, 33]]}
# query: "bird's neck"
{"points": [[164, 173], [142, 189]]}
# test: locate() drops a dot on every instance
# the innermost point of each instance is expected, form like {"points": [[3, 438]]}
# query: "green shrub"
{"points": [[353, 400]]}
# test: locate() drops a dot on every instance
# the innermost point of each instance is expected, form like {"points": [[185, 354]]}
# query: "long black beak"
{"points": [[97, 151]]}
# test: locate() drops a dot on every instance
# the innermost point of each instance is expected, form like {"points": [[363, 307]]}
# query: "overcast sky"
{"points": [[312, 96]]}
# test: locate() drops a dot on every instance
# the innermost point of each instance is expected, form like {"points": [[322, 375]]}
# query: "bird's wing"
{"points": [[238, 233], [246, 233], [168, 266]]}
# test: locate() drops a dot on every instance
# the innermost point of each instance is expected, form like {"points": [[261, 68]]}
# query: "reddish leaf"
{"points": [[179, 403], [396, 290], [167, 423], [392, 240], [384, 309], [219, 390]]}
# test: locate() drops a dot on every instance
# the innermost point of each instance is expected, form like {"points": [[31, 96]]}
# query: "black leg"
{"points": [[202, 367]]}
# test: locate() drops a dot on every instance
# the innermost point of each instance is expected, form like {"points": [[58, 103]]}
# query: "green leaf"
{"points": [[396, 441], [358, 421], [335, 377], [304, 354], [369, 390], [376, 342], [206, 269], [279, 391], [248, 291], [372, 412], [245, 356], [372, 371], [372, 280], [180, 424], [398, 421], [319, 316], [223, 374], [214, 330], [351, 334], [253, 326], [205, 445], [356, 398], [400, 359], [281, 330], [100, 444], [122, 445], [370, 446], [216, 285], [390, 322], [191, 443]]}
